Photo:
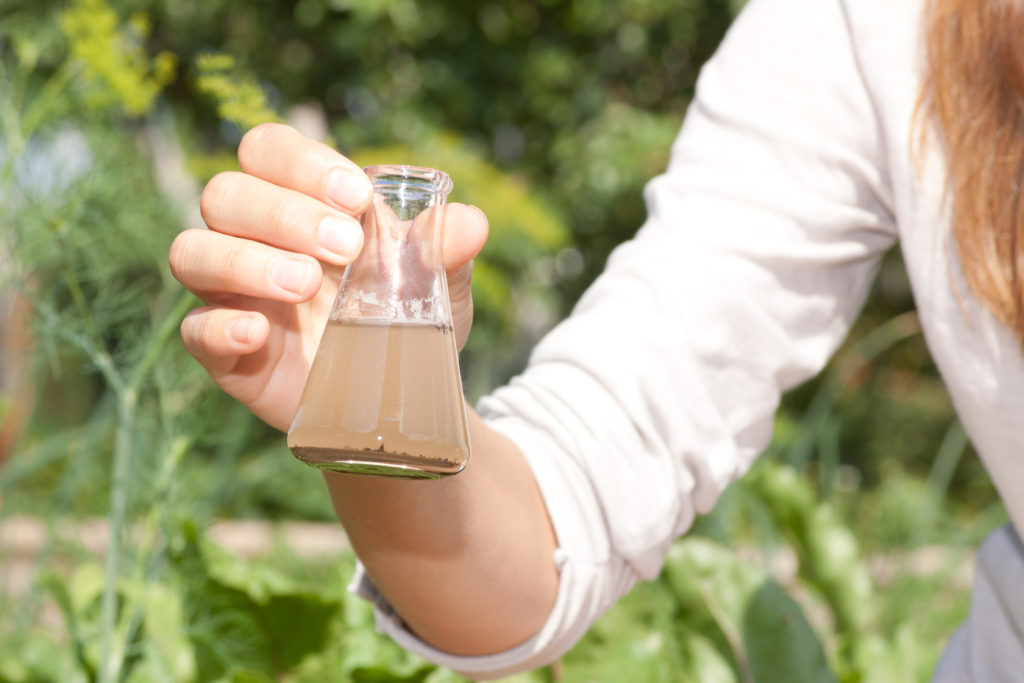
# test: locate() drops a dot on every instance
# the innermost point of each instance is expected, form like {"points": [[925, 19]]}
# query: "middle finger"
{"points": [[217, 267]]}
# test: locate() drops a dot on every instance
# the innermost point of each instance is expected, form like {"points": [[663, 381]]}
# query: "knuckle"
{"points": [[286, 217], [235, 265]]}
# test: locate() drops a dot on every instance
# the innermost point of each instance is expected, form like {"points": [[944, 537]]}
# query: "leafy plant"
{"points": [[240, 100]]}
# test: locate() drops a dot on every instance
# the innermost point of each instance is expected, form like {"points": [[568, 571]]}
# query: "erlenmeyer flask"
{"points": [[384, 395]]}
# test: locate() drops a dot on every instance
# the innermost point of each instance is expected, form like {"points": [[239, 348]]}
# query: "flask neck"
{"points": [[399, 274]]}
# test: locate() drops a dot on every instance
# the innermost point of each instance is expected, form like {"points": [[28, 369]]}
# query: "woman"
{"points": [[823, 132]]}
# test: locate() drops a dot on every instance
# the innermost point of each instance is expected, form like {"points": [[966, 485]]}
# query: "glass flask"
{"points": [[384, 395]]}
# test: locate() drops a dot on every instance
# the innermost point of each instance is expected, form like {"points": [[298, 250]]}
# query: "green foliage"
{"points": [[246, 620], [209, 616], [577, 99], [767, 635], [117, 70], [240, 100], [712, 616], [717, 614], [826, 547]]}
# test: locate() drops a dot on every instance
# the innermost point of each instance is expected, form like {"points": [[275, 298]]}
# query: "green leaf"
{"points": [[779, 642], [768, 636], [245, 618]]}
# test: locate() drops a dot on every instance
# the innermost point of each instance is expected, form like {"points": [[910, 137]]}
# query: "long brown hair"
{"points": [[974, 92]]}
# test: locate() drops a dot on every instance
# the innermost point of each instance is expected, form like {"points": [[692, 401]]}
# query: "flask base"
{"points": [[376, 463]]}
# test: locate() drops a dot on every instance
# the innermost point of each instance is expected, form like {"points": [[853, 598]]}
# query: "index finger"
{"points": [[285, 157]]}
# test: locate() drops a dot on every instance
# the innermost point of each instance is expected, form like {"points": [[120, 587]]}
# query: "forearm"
{"points": [[466, 560]]}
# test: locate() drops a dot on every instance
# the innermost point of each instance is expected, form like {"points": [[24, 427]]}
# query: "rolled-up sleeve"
{"points": [[762, 239]]}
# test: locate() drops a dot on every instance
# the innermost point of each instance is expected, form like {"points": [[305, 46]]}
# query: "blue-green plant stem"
{"points": [[168, 325], [126, 388], [151, 556], [126, 398], [111, 661]]}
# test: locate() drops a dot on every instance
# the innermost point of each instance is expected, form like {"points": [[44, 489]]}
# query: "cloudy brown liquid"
{"points": [[383, 398]]}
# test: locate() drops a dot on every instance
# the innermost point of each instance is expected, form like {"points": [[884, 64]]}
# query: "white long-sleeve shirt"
{"points": [[792, 175]]}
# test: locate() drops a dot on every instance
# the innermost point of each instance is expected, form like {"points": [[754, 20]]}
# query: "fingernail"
{"points": [[348, 189], [239, 330], [291, 274], [339, 236]]}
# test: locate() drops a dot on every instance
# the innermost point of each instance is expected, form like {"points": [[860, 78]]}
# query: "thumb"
{"points": [[465, 232]]}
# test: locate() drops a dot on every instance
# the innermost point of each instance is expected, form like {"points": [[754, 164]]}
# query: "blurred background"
{"points": [[151, 529]]}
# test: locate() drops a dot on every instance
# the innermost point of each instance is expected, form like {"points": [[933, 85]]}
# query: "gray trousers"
{"points": [[989, 646]]}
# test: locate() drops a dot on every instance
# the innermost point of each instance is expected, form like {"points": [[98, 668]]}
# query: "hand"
{"points": [[267, 270]]}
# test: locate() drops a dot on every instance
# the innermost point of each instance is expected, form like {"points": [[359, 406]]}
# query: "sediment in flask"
{"points": [[383, 397]]}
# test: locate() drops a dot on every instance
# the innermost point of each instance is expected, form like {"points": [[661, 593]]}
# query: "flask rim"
{"points": [[430, 179]]}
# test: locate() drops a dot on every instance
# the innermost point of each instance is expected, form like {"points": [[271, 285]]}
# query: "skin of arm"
{"points": [[467, 561]]}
